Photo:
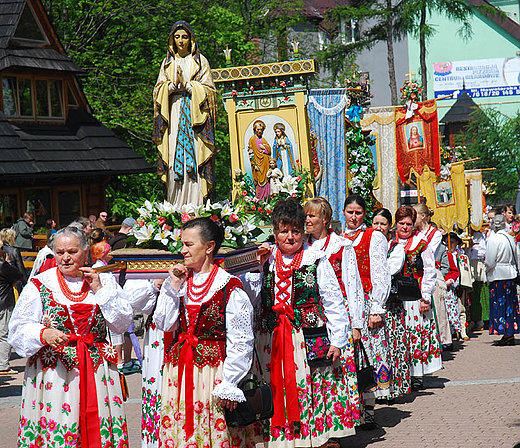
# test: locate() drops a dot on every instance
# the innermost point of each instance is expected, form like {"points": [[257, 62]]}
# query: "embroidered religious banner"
{"points": [[417, 140], [474, 181], [380, 121], [446, 197]]}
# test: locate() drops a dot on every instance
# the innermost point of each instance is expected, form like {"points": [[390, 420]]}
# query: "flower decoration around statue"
{"points": [[258, 211], [410, 94], [159, 224], [360, 160]]}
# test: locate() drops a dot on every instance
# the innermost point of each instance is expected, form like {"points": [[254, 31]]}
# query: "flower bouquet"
{"points": [[159, 224]]}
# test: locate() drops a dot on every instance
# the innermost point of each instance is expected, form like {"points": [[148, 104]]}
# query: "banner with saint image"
{"points": [[417, 140]]}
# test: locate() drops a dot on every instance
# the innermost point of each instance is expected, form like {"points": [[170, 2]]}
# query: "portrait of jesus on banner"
{"points": [[415, 136]]}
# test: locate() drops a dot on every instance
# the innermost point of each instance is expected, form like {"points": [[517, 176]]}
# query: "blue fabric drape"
{"points": [[326, 115]]}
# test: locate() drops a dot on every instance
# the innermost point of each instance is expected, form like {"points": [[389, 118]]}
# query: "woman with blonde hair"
{"points": [[7, 238], [434, 238]]}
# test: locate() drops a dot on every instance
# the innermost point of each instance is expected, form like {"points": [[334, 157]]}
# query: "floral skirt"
{"points": [[398, 349], [153, 355], [328, 398], [50, 407], [452, 308], [376, 345], [504, 316], [424, 340], [210, 429]]}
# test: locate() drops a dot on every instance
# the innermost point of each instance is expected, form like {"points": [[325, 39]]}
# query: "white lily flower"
{"points": [[228, 235], [146, 210], [167, 207], [163, 236], [177, 234], [144, 233]]}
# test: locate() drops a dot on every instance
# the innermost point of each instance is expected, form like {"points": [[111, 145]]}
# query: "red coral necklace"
{"points": [[206, 285], [67, 292]]}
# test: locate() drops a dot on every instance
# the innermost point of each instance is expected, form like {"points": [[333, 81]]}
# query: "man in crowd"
{"points": [[24, 232], [118, 241]]}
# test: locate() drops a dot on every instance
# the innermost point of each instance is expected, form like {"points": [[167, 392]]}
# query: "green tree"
{"points": [[493, 137], [121, 44], [414, 20]]}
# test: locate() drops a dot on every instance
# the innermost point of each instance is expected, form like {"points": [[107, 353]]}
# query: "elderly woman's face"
{"points": [[288, 238], [70, 256]]}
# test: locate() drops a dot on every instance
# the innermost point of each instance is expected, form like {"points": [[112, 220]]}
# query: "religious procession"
{"points": [[358, 247]]}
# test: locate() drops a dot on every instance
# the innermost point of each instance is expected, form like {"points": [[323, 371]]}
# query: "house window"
{"points": [[38, 202], [71, 99], [10, 96], [9, 212], [28, 27], [25, 97], [18, 98], [69, 205], [49, 98]]}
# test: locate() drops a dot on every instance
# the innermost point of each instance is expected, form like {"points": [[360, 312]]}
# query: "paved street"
{"points": [[473, 402]]}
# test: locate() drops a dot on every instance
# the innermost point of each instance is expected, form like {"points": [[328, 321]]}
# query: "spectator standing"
{"points": [[7, 238], [101, 223], [51, 227], [118, 241], [502, 269], [9, 275], [24, 232], [92, 219]]}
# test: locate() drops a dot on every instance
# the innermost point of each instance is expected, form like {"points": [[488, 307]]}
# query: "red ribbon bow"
{"points": [[189, 341], [88, 408], [282, 369]]}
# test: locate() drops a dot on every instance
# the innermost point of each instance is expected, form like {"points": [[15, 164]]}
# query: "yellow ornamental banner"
{"points": [[446, 197]]}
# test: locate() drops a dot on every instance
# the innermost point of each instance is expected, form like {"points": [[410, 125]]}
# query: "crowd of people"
{"points": [[321, 308]]}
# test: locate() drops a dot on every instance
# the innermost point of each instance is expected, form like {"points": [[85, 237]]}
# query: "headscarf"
{"points": [[172, 50]]}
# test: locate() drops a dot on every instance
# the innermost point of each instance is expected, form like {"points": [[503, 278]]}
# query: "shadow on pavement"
{"points": [[10, 391], [386, 416]]}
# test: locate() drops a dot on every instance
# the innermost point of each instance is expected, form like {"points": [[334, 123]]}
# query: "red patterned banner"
{"points": [[417, 139]]}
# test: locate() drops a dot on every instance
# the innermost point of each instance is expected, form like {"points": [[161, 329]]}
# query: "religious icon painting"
{"points": [[444, 193], [414, 132], [270, 151]]}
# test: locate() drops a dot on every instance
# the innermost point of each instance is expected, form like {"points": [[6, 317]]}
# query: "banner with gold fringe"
{"points": [[446, 197], [474, 181], [417, 140]]}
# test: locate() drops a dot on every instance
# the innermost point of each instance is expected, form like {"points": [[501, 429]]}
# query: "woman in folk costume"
{"points": [[434, 238], [213, 346], [397, 335], [371, 249], [142, 295], [297, 292], [342, 257], [71, 391], [184, 118], [424, 339]]}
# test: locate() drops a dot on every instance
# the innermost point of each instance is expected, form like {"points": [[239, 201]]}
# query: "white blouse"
{"points": [[379, 270], [429, 279], [330, 292], [349, 274], [239, 328], [436, 239], [25, 325], [141, 294], [396, 258]]}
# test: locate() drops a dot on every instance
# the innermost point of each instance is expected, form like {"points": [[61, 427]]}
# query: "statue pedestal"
{"points": [[154, 263]]}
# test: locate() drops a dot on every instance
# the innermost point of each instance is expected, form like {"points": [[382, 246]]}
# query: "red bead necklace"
{"points": [[353, 237], [206, 285], [71, 295]]}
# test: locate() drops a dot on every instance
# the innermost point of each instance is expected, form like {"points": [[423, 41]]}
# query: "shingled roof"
{"points": [[12, 54], [461, 110], [82, 146]]}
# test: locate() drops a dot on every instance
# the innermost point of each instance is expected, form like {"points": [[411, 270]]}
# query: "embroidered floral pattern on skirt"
{"points": [[504, 315]]}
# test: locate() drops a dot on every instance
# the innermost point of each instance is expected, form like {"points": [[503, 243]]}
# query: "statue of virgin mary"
{"points": [[185, 104]]}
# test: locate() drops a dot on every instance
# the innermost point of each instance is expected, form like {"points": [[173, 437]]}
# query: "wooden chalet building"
{"points": [[55, 157]]}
